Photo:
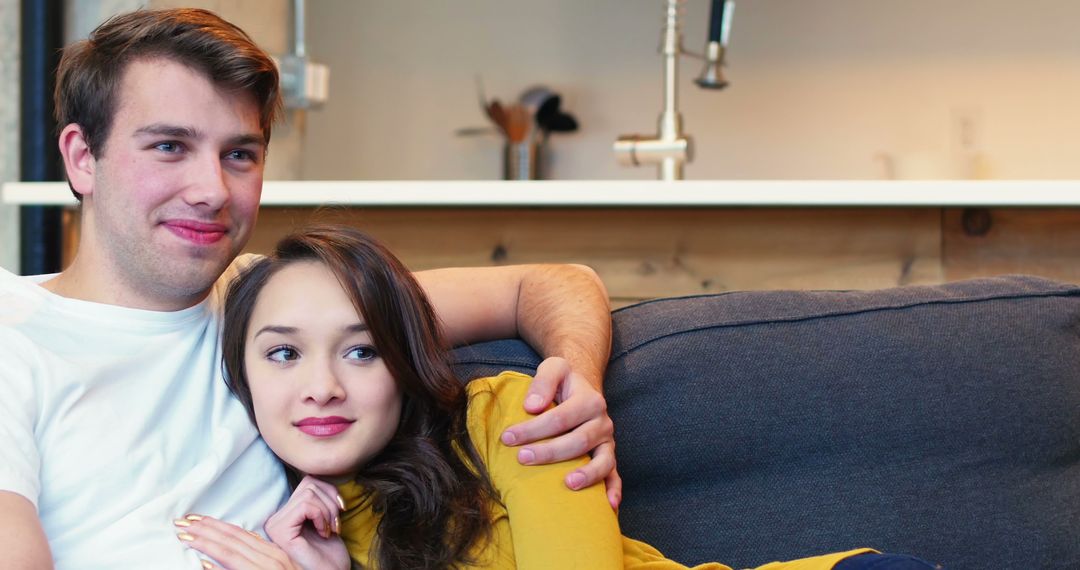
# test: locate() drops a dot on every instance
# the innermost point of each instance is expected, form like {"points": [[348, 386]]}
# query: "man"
{"points": [[114, 418]]}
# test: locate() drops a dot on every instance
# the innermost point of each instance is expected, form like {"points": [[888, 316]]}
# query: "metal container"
{"points": [[522, 160]]}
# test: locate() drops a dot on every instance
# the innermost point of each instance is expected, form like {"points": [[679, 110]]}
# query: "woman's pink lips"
{"points": [[199, 233], [323, 427]]}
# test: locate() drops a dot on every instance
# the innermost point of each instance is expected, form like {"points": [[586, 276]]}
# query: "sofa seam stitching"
{"points": [[794, 319]]}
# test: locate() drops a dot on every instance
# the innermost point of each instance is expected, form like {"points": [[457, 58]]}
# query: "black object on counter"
{"points": [[551, 119]]}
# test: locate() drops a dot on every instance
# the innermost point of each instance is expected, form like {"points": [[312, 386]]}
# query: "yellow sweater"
{"points": [[541, 524]]}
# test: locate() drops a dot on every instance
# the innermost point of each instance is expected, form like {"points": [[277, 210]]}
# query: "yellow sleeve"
{"points": [[551, 526]]}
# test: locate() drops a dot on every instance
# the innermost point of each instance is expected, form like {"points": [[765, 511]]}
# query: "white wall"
{"points": [[821, 89], [9, 129]]}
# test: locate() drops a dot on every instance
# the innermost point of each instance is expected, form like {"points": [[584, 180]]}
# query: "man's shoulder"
{"points": [[20, 353], [20, 297], [23, 303]]}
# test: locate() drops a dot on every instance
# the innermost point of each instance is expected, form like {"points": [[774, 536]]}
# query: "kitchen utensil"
{"points": [[497, 113]]}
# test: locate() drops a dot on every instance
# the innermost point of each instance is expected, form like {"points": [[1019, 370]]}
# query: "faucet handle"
{"points": [[712, 76]]}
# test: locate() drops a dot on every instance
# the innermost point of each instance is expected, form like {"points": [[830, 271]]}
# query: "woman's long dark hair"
{"points": [[428, 484]]}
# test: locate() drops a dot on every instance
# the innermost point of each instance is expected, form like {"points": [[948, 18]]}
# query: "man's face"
{"points": [[176, 190]]}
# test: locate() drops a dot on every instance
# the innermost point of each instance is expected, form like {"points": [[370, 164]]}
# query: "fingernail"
{"points": [[576, 480], [194, 517], [182, 522], [508, 438], [533, 401], [337, 525], [206, 564], [526, 456], [185, 536], [341, 502]]}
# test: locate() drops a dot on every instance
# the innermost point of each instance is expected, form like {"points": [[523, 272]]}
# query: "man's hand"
{"points": [[577, 425], [304, 534], [558, 310]]}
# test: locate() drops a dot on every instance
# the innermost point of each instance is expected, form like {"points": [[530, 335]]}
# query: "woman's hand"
{"points": [[314, 545], [297, 544]]}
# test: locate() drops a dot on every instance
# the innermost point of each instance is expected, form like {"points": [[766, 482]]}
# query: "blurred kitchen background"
{"points": [[821, 89]]}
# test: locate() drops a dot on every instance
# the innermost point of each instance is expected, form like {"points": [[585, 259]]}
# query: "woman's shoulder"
{"points": [[496, 402], [504, 383]]}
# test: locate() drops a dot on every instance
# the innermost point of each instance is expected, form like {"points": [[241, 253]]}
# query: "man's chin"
{"points": [[199, 273]]}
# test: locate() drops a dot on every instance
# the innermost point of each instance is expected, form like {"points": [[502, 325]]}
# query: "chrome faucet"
{"points": [[670, 149]]}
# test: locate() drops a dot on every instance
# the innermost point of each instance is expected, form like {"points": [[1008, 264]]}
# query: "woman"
{"points": [[336, 354]]}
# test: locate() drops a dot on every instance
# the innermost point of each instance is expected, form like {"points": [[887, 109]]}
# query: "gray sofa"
{"points": [[937, 421]]}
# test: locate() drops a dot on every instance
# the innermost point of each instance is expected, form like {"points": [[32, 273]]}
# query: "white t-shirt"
{"points": [[115, 421]]}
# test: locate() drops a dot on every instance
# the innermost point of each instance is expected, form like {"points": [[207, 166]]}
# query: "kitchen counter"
{"points": [[650, 239], [633, 193]]}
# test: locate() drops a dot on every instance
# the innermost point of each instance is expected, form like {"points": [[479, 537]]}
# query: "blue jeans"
{"points": [[871, 561]]}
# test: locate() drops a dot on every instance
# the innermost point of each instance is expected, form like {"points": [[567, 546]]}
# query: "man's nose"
{"points": [[210, 187]]}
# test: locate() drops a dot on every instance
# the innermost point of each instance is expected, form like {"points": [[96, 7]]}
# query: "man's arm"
{"points": [[561, 311], [22, 539]]}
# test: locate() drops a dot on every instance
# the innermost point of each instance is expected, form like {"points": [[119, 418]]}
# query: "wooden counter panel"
{"points": [[647, 253], [998, 241]]}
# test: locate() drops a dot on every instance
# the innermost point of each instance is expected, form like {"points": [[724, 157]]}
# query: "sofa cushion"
{"points": [[940, 421]]}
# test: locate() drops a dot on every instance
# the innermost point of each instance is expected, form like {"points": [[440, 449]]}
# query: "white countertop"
{"points": [[631, 193]]}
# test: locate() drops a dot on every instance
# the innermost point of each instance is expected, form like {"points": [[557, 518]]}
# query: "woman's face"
{"points": [[323, 397]]}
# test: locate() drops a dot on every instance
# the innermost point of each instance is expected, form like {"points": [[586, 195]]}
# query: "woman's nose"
{"points": [[324, 386]]}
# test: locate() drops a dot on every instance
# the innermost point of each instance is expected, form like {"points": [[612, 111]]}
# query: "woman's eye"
{"points": [[361, 353], [282, 354]]}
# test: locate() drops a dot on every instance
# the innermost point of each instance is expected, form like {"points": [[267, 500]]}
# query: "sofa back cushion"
{"points": [[940, 421]]}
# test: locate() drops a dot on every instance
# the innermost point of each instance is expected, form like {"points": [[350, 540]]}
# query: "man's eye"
{"points": [[168, 146], [241, 155], [282, 354], [361, 353]]}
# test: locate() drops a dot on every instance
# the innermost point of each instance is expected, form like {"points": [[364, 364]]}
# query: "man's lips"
{"points": [[323, 427], [200, 233]]}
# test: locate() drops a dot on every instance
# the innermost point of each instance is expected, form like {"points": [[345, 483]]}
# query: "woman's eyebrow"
{"points": [[275, 329]]}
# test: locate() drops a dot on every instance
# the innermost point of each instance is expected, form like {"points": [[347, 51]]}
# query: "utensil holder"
{"points": [[522, 160]]}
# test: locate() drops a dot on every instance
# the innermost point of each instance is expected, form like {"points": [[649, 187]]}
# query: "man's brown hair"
{"points": [[90, 70]]}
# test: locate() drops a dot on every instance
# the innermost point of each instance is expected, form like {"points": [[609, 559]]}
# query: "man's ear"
{"points": [[78, 162]]}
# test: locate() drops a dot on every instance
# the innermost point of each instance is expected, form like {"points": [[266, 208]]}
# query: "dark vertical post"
{"points": [[41, 228]]}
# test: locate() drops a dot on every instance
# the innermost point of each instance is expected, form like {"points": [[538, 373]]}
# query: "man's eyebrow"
{"points": [[244, 140], [175, 131], [275, 329], [180, 132]]}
